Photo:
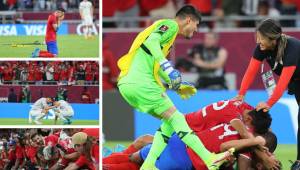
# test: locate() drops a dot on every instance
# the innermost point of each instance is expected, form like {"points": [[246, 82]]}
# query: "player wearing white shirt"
{"points": [[64, 111], [40, 109], [86, 13]]}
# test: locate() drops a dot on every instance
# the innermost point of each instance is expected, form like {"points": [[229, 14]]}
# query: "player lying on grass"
{"points": [[212, 138], [64, 111], [53, 23], [40, 109]]}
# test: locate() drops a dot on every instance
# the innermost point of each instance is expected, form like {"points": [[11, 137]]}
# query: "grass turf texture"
{"points": [[69, 46], [46, 122], [283, 152]]}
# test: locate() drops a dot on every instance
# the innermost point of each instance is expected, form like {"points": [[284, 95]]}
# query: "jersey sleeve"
{"points": [[162, 34], [164, 76], [284, 79], [249, 76]]}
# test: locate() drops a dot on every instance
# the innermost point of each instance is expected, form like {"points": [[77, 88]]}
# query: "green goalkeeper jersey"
{"points": [[149, 48]]}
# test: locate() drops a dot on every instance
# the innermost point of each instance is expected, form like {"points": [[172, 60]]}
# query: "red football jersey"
{"points": [[217, 113], [50, 31], [51, 140], [212, 140], [83, 161]]}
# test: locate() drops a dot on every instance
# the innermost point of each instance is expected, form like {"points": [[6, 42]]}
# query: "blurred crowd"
{"points": [[42, 5], [221, 9], [46, 72], [25, 95], [49, 149], [205, 61]]}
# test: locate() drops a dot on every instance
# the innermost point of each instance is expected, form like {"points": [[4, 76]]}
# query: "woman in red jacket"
{"points": [[282, 53]]}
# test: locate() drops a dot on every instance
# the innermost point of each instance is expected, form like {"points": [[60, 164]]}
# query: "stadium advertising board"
{"points": [[78, 29], [284, 113], [28, 29]]}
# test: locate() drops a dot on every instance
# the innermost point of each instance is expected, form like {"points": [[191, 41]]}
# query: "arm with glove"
{"points": [[170, 75]]}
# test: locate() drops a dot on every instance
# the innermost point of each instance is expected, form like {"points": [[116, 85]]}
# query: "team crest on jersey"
{"points": [[163, 28]]}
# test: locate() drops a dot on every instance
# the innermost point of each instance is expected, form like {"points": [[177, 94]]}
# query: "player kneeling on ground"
{"points": [[64, 111], [40, 109], [53, 23]]}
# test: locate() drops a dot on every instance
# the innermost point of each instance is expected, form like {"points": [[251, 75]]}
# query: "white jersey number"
{"points": [[227, 131], [215, 107]]}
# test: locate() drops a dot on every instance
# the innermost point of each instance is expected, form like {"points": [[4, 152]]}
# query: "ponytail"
{"points": [[282, 41]]}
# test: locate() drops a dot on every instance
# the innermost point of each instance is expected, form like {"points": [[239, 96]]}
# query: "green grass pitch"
{"points": [[46, 122], [69, 46], [283, 152]]}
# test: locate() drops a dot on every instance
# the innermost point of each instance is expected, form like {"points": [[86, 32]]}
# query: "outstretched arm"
{"points": [[242, 143], [249, 76]]}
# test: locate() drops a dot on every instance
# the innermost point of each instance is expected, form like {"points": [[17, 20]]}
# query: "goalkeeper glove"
{"points": [[186, 90], [173, 74]]}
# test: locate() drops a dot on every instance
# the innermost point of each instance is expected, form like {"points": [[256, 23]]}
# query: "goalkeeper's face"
{"points": [[190, 26]]}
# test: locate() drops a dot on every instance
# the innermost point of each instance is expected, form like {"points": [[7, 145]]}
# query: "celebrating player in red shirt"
{"points": [[53, 23], [225, 111]]}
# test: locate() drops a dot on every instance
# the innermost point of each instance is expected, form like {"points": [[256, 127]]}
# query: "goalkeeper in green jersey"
{"points": [[140, 85]]}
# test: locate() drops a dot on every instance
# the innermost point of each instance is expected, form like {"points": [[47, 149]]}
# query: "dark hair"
{"points": [[189, 10], [61, 10], [272, 30], [261, 121], [271, 141]]}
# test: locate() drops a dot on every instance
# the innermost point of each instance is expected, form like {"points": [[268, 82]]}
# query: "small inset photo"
{"points": [[49, 148], [47, 29], [49, 93]]}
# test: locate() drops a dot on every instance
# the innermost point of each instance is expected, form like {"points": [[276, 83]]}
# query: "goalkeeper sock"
{"points": [[160, 141], [179, 124]]}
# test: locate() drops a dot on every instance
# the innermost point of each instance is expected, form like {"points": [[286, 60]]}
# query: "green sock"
{"points": [[160, 141], [179, 124]]}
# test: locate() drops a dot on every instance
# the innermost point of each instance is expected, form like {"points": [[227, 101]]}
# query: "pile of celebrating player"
{"points": [[52, 149]]}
